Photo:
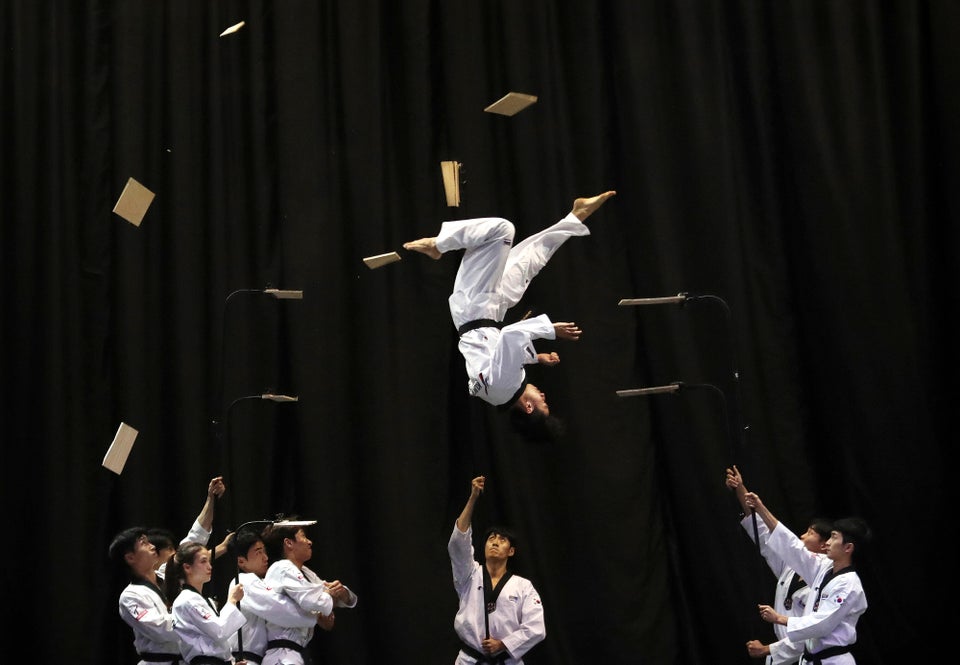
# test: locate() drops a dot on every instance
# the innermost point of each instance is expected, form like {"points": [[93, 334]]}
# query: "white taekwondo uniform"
{"points": [[492, 278]]}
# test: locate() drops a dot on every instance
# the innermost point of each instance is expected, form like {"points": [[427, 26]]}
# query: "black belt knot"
{"points": [[829, 652], [248, 655], [285, 644], [478, 323], [483, 657]]}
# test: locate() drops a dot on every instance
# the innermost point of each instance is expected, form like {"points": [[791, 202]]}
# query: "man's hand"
{"points": [[756, 649], [492, 646], [567, 331], [770, 615], [476, 485], [216, 487], [337, 591], [548, 358], [325, 621]]}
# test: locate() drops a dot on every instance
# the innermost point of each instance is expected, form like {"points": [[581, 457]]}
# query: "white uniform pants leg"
{"points": [[476, 289], [530, 255]]}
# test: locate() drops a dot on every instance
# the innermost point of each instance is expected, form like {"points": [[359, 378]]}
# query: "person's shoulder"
{"points": [[277, 566]]}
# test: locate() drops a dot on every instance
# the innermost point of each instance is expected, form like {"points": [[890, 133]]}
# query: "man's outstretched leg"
{"points": [[530, 255]]}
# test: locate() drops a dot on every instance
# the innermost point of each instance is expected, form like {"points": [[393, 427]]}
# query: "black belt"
{"points": [[483, 657], [209, 660], [159, 657], [285, 644], [829, 652], [248, 655], [479, 323]]}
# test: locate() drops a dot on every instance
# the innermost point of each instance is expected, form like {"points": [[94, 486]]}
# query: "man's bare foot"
{"points": [[583, 208], [426, 246]]}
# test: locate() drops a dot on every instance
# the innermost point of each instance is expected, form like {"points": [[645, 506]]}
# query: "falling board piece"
{"points": [[117, 453], [511, 103], [133, 202], [381, 259]]}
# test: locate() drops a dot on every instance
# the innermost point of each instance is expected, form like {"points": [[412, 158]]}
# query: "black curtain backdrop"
{"points": [[793, 159]]}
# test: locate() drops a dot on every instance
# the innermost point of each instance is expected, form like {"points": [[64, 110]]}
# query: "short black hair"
{"points": [[536, 427], [244, 539], [854, 530], [124, 542], [161, 538], [274, 535], [502, 531], [822, 526]]}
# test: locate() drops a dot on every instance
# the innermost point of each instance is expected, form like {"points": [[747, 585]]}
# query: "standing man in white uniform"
{"points": [[288, 573], [492, 277], [262, 603], [143, 604], [792, 591], [828, 627], [500, 616]]}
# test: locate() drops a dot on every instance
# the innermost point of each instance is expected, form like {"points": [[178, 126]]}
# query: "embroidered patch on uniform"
{"points": [[536, 601], [838, 600], [139, 614]]}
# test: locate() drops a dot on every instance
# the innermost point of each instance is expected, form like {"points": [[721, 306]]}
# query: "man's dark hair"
{"points": [[274, 535], [161, 538], [502, 531], [244, 539], [822, 526], [854, 530], [124, 542], [535, 427]]}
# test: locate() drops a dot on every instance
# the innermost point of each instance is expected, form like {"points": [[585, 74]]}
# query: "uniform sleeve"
{"points": [[197, 534], [155, 622], [196, 613], [785, 651], [460, 548], [515, 346], [794, 553], [532, 627], [277, 608], [845, 595], [772, 558], [308, 595], [351, 600]]}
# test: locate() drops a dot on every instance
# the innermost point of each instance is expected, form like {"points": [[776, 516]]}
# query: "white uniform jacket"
{"points": [[144, 610], [831, 613], [517, 620], [202, 630], [495, 357], [262, 603], [783, 651], [305, 588]]}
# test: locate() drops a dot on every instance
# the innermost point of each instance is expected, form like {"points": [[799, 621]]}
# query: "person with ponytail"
{"points": [[203, 629]]}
